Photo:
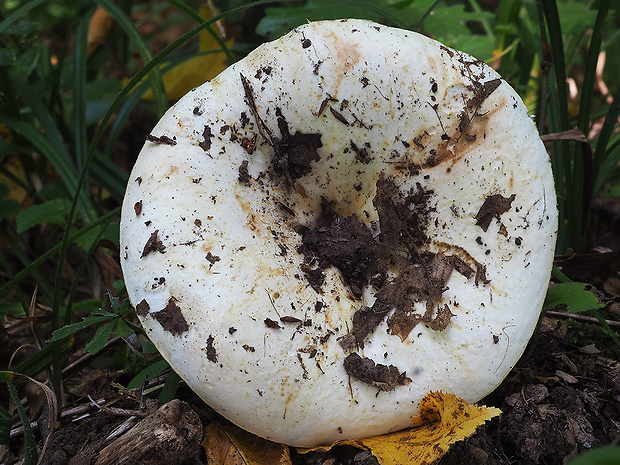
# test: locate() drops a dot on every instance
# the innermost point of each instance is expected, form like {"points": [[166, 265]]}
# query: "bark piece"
{"points": [[170, 435]]}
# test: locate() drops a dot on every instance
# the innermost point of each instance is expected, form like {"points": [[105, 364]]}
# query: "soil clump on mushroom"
{"points": [[394, 262]]}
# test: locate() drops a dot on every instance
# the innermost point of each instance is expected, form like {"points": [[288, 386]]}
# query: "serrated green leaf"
{"points": [[68, 330], [53, 211], [106, 313], [122, 329], [150, 372], [576, 297], [102, 335]]}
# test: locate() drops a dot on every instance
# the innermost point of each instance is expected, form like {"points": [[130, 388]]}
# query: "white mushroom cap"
{"points": [[348, 218]]}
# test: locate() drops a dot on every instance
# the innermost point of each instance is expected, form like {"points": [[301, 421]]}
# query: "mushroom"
{"points": [[348, 218]]}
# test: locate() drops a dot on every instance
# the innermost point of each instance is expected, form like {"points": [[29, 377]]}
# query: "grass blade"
{"points": [[199, 19], [589, 78], [157, 83], [601, 154], [59, 158], [6, 421], [170, 387], [54, 250], [79, 93], [31, 455], [4, 25]]}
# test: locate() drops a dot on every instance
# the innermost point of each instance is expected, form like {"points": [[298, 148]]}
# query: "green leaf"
{"points": [[21, 11], [576, 297], [7, 376], [6, 421], [170, 387], [8, 56], [11, 308], [576, 17], [101, 312], [279, 20], [148, 373], [100, 338], [607, 455], [148, 347], [53, 211], [22, 28], [122, 329], [68, 330], [88, 304]]}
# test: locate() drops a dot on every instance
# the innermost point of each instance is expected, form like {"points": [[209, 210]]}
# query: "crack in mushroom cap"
{"points": [[295, 138]]}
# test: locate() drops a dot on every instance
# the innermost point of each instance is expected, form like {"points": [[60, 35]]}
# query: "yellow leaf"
{"points": [[230, 445], [444, 419], [98, 29], [13, 165], [195, 71]]}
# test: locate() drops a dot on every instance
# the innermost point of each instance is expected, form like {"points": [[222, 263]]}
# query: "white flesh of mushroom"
{"points": [[433, 177]]}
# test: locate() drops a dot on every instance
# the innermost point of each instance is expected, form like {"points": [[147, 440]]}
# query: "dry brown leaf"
{"points": [[230, 445], [444, 419]]}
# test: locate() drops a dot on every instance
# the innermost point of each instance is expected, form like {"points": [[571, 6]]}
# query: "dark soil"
{"points": [[562, 399]]}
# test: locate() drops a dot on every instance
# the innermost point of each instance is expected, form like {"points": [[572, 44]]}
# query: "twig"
{"points": [[85, 359], [584, 318], [83, 411], [15, 432]]}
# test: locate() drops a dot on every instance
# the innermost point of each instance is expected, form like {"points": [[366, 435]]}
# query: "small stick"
{"points": [[578, 317], [86, 358]]}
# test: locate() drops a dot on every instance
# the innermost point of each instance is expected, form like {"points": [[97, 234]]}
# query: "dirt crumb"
{"points": [[171, 318], [272, 324], [211, 352], [205, 144], [153, 244], [493, 207], [143, 308], [165, 140], [383, 377], [244, 174], [293, 153], [345, 243]]}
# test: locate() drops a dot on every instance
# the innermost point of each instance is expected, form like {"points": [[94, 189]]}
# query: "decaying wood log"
{"points": [[170, 435]]}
